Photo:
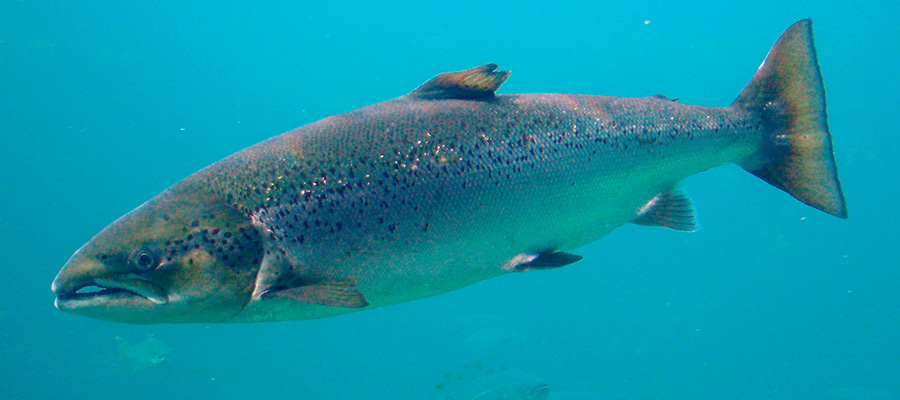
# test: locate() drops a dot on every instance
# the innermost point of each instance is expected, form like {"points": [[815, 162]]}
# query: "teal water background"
{"points": [[105, 104]]}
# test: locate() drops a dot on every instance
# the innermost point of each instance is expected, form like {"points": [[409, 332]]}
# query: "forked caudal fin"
{"points": [[788, 95]]}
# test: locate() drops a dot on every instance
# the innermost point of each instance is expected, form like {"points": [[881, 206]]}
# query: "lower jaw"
{"points": [[108, 301]]}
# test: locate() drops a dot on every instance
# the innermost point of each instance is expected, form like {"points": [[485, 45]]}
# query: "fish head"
{"points": [[183, 256]]}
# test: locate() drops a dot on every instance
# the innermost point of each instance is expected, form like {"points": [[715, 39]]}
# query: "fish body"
{"points": [[446, 186]]}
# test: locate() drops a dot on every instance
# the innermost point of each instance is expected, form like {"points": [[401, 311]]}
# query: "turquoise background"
{"points": [[105, 104]]}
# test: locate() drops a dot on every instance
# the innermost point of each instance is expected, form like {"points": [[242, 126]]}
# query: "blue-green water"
{"points": [[104, 104]]}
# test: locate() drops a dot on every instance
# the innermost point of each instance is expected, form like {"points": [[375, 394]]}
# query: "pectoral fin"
{"points": [[280, 277], [342, 293]]}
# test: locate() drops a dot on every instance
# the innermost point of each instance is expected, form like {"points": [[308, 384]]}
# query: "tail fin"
{"points": [[788, 95]]}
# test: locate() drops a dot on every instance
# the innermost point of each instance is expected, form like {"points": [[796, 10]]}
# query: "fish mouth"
{"points": [[106, 293]]}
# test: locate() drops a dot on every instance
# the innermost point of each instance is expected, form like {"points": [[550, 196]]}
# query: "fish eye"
{"points": [[144, 260]]}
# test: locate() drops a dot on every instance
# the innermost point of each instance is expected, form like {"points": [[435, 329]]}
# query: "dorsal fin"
{"points": [[671, 209], [475, 83]]}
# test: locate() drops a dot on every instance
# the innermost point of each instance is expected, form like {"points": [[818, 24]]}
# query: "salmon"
{"points": [[446, 186]]}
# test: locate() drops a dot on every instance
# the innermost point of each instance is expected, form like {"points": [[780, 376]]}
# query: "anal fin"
{"points": [[342, 293], [671, 209]]}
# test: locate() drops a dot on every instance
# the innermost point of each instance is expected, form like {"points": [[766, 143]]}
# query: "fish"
{"points": [[511, 385], [502, 384], [446, 186], [141, 356]]}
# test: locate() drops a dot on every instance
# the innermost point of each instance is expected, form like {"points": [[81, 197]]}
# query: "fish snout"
{"points": [[76, 275], [84, 286]]}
